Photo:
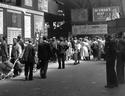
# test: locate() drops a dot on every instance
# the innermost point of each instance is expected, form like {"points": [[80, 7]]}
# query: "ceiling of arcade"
{"points": [[73, 4]]}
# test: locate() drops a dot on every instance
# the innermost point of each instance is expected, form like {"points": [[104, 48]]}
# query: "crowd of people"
{"points": [[111, 48], [50, 50]]}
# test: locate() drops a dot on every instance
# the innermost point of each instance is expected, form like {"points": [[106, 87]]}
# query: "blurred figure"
{"points": [[54, 49], [44, 55], [84, 50], [29, 58], [69, 51], [4, 50], [95, 49], [20, 41], [120, 58], [61, 53], [110, 51], [77, 56], [15, 54]]}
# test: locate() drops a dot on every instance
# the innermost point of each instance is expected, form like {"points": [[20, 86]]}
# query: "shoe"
{"points": [[15, 75], [30, 79], [26, 78], [43, 77], [109, 86], [78, 62], [116, 85], [59, 68], [75, 63], [121, 82]]}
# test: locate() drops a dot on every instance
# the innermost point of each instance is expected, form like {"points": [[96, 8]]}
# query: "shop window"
{"points": [[43, 5], [18, 3], [14, 20], [28, 2], [12, 2]]}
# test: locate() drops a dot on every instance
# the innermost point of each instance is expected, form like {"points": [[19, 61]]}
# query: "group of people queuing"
{"points": [[115, 59], [86, 49]]}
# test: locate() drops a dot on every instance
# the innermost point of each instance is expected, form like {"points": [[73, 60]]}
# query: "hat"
{"points": [[61, 39]]}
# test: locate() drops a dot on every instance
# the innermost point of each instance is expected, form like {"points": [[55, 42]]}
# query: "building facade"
{"points": [[25, 17]]}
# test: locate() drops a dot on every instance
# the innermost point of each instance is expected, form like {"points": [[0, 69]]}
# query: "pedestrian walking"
{"points": [[29, 59], [110, 50], [44, 55], [15, 54]]}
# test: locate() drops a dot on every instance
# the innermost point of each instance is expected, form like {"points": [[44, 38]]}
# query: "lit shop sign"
{"points": [[106, 13], [89, 29]]}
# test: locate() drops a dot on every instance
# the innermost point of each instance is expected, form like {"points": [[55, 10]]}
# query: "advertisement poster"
{"points": [[13, 33], [43, 5], [89, 29], [79, 15], [38, 25], [28, 3], [106, 13], [1, 21], [27, 28]]}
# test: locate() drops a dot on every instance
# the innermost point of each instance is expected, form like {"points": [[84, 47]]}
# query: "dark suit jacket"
{"points": [[29, 54], [44, 51], [121, 48], [61, 48], [110, 49]]}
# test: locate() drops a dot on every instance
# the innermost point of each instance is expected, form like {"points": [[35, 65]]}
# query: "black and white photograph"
{"points": [[62, 47]]}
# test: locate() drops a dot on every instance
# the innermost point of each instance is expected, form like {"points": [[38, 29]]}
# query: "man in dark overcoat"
{"points": [[110, 51], [44, 54], [120, 58], [61, 53], [29, 58]]}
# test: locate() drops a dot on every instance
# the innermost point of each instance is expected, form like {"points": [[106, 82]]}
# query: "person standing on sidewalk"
{"points": [[29, 59], [110, 51], [20, 41], [61, 53], [44, 54], [120, 58], [4, 50]]}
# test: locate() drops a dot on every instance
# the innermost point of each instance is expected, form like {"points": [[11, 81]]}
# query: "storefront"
{"points": [[16, 21], [20, 21]]}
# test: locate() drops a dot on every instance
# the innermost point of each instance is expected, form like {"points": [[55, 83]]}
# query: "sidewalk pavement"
{"points": [[51, 66]]}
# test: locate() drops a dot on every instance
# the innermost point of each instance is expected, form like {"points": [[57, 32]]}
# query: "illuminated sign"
{"points": [[89, 29], [106, 13]]}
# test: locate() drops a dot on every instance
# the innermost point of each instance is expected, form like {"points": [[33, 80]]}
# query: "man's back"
{"points": [[29, 53], [44, 51]]}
